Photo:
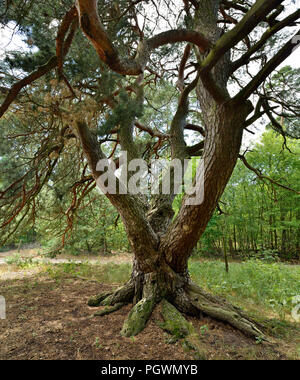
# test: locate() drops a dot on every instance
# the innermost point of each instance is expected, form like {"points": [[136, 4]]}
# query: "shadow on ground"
{"points": [[49, 319]]}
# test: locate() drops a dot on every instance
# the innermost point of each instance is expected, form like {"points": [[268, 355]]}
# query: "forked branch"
{"points": [[94, 30]]}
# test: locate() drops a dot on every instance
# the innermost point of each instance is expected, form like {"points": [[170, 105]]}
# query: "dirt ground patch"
{"points": [[49, 319], [34, 254]]}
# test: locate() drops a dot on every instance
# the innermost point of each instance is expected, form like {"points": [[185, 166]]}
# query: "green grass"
{"points": [[253, 284], [19, 262], [262, 288], [105, 273]]}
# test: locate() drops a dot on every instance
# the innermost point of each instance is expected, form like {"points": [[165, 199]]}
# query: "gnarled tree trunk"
{"points": [[146, 290], [162, 244], [160, 268]]}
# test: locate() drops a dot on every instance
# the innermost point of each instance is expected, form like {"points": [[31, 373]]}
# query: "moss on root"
{"points": [[220, 310], [174, 322], [124, 294], [194, 301], [138, 317], [176, 325], [96, 300], [109, 309]]}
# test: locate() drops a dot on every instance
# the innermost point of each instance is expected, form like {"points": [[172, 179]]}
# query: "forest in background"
{"points": [[259, 218]]}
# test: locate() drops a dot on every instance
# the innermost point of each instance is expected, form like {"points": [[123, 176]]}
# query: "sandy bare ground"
{"points": [[8, 272], [48, 319], [34, 254]]}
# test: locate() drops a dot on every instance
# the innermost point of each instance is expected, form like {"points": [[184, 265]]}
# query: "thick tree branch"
{"points": [[263, 74], [96, 33], [219, 94], [271, 20], [196, 128], [179, 122], [140, 233], [70, 17], [151, 131], [251, 19], [180, 35], [222, 144], [184, 59], [264, 38], [195, 149]]}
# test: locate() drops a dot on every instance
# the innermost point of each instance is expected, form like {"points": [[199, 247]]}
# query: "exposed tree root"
{"points": [[222, 311], [189, 299], [138, 317], [97, 299], [109, 309], [124, 295], [176, 325], [174, 321]]}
